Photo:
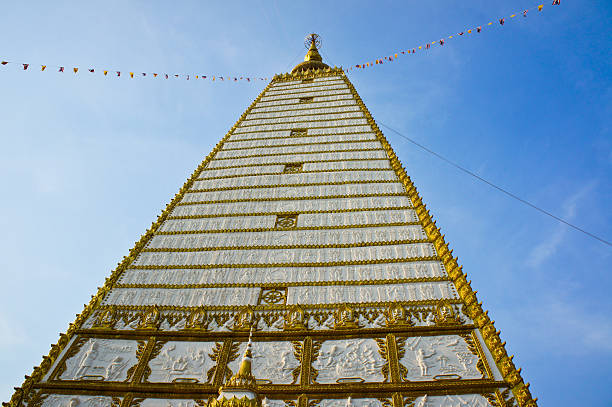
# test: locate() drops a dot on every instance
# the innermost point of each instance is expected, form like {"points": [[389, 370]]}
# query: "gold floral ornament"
{"points": [[306, 99], [445, 314], [106, 318], [150, 319], [244, 320], [346, 318], [197, 320], [397, 315], [295, 319], [298, 133], [292, 168], [286, 221], [273, 296]]}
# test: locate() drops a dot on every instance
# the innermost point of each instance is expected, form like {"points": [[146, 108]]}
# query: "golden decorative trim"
{"points": [[266, 286], [305, 184], [56, 349], [229, 215], [300, 153], [294, 198], [473, 307], [371, 140], [301, 246], [301, 172]]}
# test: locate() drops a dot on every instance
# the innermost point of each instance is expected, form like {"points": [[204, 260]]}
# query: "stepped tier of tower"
{"points": [[302, 226]]}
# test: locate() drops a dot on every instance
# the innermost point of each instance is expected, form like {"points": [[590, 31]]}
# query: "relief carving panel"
{"points": [[439, 357], [471, 400], [101, 359], [348, 361], [273, 362], [352, 402], [183, 362]]}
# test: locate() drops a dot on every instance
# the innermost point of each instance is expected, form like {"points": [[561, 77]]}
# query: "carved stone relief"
{"points": [[273, 362], [66, 400], [169, 403], [266, 402], [437, 358], [101, 359], [351, 402], [348, 361], [471, 400], [183, 362]]}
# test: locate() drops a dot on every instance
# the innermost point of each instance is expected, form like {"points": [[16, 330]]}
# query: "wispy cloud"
{"points": [[549, 247]]}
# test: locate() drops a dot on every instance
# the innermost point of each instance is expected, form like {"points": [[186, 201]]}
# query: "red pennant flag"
{"points": [[221, 77], [461, 33], [203, 76], [61, 69], [187, 77], [91, 70], [131, 74], [502, 21], [118, 73], [25, 66], [166, 76], [428, 46], [144, 74], [43, 67], [4, 62], [525, 13], [478, 29], [413, 50], [403, 52], [175, 75], [442, 41], [248, 79], [155, 75], [75, 70], [556, 2]]}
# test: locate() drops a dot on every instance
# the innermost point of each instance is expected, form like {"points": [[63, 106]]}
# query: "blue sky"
{"points": [[88, 161]]}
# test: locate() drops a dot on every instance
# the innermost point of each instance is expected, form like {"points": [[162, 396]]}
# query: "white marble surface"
{"points": [[350, 402], [183, 297], [289, 237], [294, 104], [284, 256], [182, 361], [306, 110], [274, 361], [74, 400], [439, 357], [231, 143], [307, 220], [471, 400], [328, 91], [102, 359], [226, 154], [296, 206], [362, 188], [296, 178], [299, 158], [280, 275], [369, 293], [168, 403], [349, 358], [294, 100], [280, 90], [301, 117], [304, 125]]}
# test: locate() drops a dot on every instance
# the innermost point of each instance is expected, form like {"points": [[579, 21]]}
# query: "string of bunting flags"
{"points": [[217, 78], [107, 72], [442, 41]]}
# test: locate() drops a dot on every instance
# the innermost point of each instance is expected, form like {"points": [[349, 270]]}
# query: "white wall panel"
{"points": [[317, 116], [232, 222], [292, 105], [296, 100], [184, 297], [295, 192], [231, 143], [332, 204], [305, 125], [281, 275], [305, 109], [286, 256], [224, 154], [296, 178], [299, 158], [328, 91], [289, 237]]}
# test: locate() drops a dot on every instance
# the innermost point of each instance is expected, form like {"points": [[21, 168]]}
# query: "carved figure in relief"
{"points": [[346, 318], [445, 314], [397, 315], [150, 319], [107, 318], [114, 369], [88, 359], [294, 319], [197, 319], [244, 320], [420, 359], [355, 359], [427, 291]]}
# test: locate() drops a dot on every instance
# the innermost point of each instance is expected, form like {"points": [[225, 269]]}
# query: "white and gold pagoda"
{"points": [[302, 226]]}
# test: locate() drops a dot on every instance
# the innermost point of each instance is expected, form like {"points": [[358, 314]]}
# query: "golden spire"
{"points": [[313, 59]]}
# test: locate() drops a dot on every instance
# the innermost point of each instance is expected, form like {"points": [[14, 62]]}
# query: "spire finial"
{"points": [[313, 59]]}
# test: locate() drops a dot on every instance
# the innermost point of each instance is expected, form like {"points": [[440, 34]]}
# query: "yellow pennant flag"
{"points": [[490, 24], [105, 73], [540, 7], [420, 46], [43, 67], [469, 31], [75, 70], [131, 74], [395, 55], [513, 15]]}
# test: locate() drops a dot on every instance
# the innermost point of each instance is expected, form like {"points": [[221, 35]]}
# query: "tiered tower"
{"points": [[302, 227]]}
